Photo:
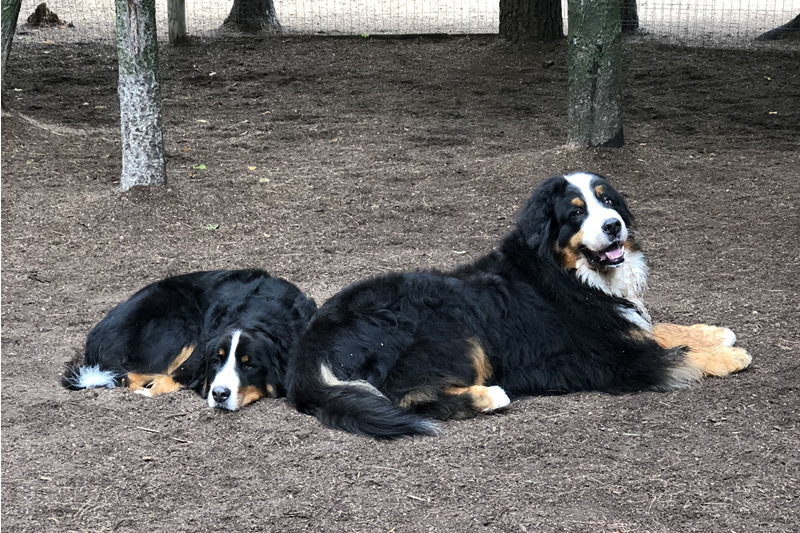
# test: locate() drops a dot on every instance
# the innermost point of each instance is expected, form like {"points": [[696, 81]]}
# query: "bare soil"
{"points": [[328, 160]]}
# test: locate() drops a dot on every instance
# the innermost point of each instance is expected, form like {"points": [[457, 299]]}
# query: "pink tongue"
{"points": [[614, 254]]}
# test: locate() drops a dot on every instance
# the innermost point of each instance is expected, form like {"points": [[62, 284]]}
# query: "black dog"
{"points": [[557, 308], [225, 334]]}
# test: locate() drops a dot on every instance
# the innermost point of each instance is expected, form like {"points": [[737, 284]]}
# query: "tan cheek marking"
{"points": [[631, 245], [249, 394], [570, 253], [181, 358], [271, 391]]}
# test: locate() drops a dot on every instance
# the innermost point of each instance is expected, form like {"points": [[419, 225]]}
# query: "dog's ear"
{"points": [[537, 219]]}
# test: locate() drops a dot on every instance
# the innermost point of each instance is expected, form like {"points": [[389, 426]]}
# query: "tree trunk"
{"points": [[629, 15], [594, 56], [790, 30], [10, 13], [253, 16], [176, 20], [531, 20], [143, 160]]}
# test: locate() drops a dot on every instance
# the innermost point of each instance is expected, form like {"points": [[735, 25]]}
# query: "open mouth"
{"points": [[611, 257]]}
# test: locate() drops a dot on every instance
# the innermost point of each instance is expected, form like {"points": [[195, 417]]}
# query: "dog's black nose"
{"points": [[612, 227], [221, 394]]}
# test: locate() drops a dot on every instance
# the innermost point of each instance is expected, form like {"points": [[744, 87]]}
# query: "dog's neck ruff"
{"points": [[628, 281]]}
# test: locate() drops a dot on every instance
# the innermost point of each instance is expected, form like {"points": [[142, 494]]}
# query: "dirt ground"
{"points": [[330, 160]]}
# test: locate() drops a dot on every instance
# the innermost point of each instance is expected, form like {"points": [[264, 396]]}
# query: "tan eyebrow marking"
{"points": [[599, 190], [577, 202]]}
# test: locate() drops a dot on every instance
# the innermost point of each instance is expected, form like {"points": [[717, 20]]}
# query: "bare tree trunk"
{"points": [[531, 20], [790, 30], [629, 15], [253, 16], [176, 20], [594, 57], [10, 11], [143, 160]]}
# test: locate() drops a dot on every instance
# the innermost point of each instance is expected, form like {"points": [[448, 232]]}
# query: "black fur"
{"points": [[144, 334], [409, 335]]}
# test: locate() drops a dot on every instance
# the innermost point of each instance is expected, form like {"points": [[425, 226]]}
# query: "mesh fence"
{"points": [[692, 22]]}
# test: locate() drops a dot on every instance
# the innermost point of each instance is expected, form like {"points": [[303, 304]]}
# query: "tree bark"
{"points": [[531, 20], [10, 12], [176, 20], [594, 56], [629, 15], [143, 161], [790, 30], [253, 16]]}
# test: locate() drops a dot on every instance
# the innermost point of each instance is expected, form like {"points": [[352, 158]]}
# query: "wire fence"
{"points": [[696, 22]]}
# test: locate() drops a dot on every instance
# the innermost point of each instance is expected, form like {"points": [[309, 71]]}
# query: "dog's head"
{"points": [[243, 366], [580, 220]]}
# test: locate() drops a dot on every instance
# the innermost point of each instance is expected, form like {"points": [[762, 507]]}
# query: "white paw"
{"points": [[728, 337], [144, 392], [499, 398]]}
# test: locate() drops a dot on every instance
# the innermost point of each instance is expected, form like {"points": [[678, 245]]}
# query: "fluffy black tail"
{"points": [[357, 407]]}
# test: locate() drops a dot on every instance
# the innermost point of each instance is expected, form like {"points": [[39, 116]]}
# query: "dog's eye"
{"points": [[576, 213], [608, 201]]}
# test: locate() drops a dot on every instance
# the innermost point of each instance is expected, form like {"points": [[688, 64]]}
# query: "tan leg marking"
{"points": [[139, 381], [483, 398], [480, 362], [695, 337], [719, 360], [163, 384], [710, 349], [418, 396], [151, 384], [181, 358]]}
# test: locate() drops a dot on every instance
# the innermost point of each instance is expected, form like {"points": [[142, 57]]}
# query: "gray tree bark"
{"points": [[143, 161], [595, 88], [629, 14], [531, 20], [176, 20], [253, 16], [10, 12]]}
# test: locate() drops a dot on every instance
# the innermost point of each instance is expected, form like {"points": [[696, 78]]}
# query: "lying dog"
{"points": [[557, 308], [225, 334]]}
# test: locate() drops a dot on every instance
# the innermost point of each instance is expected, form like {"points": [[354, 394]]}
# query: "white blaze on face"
{"points": [[627, 281], [227, 378], [597, 214]]}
